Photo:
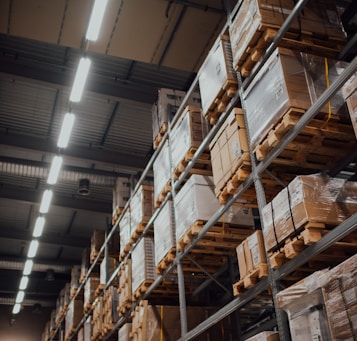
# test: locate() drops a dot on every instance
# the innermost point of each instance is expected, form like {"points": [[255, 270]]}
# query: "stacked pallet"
{"points": [[324, 305], [121, 195], [97, 241], [252, 262], [85, 263], [272, 111], [97, 319], [124, 332], [164, 238], [124, 289], [73, 317], [165, 108], [217, 79], [305, 211], [110, 309], [349, 91], [107, 268], [141, 209], [125, 234], [317, 30], [62, 303], [75, 276], [90, 288]]}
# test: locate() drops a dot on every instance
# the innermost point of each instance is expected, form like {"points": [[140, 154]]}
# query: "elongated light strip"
{"points": [[32, 249], [46, 201], [20, 296], [80, 79], [16, 308], [40, 223], [28, 267], [66, 130], [96, 19], [54, 170], [23, 283]]}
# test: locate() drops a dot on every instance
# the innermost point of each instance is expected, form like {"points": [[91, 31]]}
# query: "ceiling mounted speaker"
{"points": [[83, 188]]}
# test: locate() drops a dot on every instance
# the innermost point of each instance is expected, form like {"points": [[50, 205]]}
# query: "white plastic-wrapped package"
{"points": [[141, 206], [162, 170], [125, 230]]}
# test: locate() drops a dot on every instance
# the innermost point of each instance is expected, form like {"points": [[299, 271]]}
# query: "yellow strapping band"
{"points": [[327, 82]]}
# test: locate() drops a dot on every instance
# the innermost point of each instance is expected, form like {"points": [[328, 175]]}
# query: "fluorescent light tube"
{"points": [[23, 283], [20, 296], [28, 267], [80, 80], [96, 19], [32, 249], [46, 201], [16, 308], [66, 130], [54, 170], [37, 231]]}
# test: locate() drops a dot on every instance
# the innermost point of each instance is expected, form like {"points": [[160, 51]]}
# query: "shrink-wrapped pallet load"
{"points": [[164, 233], [349, 91], [317, 200], [165, 108], [217, 79], [124, 332], [289, 81], [196, 201], [143, 263], [323, 305], [317, 29], [125, 232], [121, 195]]}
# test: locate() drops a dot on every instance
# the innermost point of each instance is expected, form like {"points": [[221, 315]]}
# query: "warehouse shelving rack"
{"points": [[275, 275]]}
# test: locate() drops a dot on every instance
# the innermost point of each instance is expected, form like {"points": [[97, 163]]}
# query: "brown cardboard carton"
{"points": [[255, 250]]}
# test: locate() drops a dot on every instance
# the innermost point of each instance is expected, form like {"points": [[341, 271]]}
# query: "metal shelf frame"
{"points": [[329, 239]]}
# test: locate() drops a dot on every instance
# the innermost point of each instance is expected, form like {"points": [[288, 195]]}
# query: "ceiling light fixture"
{"points": [[46, 201], [96, 19], [16, 308], [32, 249], [20, 296], [66, 130], [80, 79], [28, 267], [23, 283], [40, 223], [54, 170]]}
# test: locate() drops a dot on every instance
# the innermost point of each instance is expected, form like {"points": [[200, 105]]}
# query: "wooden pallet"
{"points": [[221, 101], [142, 289], [93, 256], [166, 261], [87, 308], [61, 315], [312, 233], [301, 41], [317, 147], [69, 334], [124, 307], [202, 166], [161, 197], [116, 215], [160, 135], [251, 279], [99, 290], [219, 240], [127, 247]]}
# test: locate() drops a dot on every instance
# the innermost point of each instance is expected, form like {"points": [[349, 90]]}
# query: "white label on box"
{"points": [[235, 148]]}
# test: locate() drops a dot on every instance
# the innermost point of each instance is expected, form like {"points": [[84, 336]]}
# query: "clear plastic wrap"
{"points": [[166, 106], [141, 206], [143, 262], [187, 133], [164, 232], [196, 201], [215, 72], [287, 80], [309, 198], [162, 170]]}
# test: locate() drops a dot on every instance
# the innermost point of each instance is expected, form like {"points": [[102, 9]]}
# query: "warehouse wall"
{"points": [[28, 326]]}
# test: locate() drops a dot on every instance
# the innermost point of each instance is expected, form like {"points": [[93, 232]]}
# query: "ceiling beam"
{"points": [[34, 196], [60, 77], [120, 160], [45, 302], [47, 238]]}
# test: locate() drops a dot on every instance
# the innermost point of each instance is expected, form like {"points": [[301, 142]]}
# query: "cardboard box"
{"points": [[107, 267], [166, 106], [143, 262], [228, 148], [124, 332], [288, 80], [89, 290], [162, 170], [110, 310], [265, 336], [97, 318], [349, 91], [319, 18], [164, 232], [251, 253], [196, 201], [121, 193], [74, 315], [310, 198], [125, 230], [141, 207], [125, 280], [215, 72]]}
